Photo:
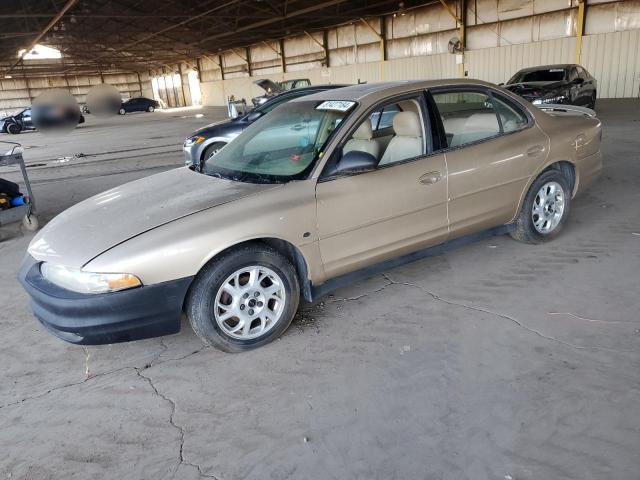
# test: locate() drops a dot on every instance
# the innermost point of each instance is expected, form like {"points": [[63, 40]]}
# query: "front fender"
{"points": [[181, 248]]}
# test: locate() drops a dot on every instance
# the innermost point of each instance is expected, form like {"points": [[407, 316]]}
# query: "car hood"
{"points": [[269, 86], [97, 224], [219, 129], [535, 88]]}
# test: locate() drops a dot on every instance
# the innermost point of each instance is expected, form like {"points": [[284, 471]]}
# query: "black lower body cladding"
{"points": [[96, 319]]}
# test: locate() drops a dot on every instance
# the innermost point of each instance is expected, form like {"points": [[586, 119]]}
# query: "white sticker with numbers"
{"points": [[336, 105]]}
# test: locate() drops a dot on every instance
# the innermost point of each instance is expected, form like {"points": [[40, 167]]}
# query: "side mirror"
{"points": [[579, 81], [355, 161], [253, 116]]}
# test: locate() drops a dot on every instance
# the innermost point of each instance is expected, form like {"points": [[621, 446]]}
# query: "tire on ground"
{"points": [[523, 227], [200, 303]]}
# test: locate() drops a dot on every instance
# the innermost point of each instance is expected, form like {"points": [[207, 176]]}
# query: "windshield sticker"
{"points": [[336, 105]]}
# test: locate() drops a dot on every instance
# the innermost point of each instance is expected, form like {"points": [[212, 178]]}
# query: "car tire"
{"points": [[221, 301], [544, 210], [210, 151], [592, 105], [122, 111], [13, 128], [150, 109]]}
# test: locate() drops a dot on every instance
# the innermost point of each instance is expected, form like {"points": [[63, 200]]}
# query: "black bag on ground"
{"points": [[9, 188]]}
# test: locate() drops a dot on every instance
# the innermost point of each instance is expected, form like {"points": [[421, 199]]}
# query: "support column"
{"points": [[580, 29], [184, 96], [325, 47], [283, 60], [139, 83], [248, 54], [463, 35]]}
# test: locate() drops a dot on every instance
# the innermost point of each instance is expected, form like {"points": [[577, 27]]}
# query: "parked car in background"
{"points": [[208, 140], [23, 121], [140, 104], [273, 89], [558, 84], [317, 189]]}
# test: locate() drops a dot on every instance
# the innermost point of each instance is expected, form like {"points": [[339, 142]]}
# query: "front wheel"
{"points": [[14, 128], [210, 151], [244, 299], [122, 111], [544, 210]]}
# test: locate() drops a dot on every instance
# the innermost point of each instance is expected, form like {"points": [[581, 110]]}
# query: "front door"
{"points": [[395, 209]]}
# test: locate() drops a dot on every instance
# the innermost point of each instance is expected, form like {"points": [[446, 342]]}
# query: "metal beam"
{"points": [[450, 11], [43, 32], [269, 21]]}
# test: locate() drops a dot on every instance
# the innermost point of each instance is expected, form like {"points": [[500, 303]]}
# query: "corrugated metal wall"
{"points": [[18, 93], [503, 36]]}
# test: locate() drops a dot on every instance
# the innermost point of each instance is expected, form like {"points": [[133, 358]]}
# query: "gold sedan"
{"points": [[346, 181]]}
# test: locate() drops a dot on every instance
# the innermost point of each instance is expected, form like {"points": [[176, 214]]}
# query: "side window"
{"points": [[572, 74], [404, 142], [512, 118], [467, 116], [383, 118], [388, 112]]}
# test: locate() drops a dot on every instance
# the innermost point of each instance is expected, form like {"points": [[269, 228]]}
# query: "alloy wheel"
{"points": [[250, 302], [548, 207]]}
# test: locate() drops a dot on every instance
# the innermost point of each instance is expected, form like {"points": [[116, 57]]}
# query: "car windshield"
{"points": [[546, 75], [281, 146]]}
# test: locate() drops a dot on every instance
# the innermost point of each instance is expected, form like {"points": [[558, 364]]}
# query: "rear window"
{"points": [[544, 75]]}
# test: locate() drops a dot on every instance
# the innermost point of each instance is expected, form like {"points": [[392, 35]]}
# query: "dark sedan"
{"points": [[557, 84], [140, 104], [49, 117], [208, 140]]}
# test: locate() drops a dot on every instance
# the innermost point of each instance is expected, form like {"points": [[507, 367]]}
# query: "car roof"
{"points": [[372, 92], [563, 66]]}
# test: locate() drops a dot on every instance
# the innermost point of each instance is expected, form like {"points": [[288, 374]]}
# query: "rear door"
{"points": [[395, 209], [492, 148]]}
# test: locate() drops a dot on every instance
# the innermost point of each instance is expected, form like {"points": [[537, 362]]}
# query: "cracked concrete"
{"points": [[495, 360]]}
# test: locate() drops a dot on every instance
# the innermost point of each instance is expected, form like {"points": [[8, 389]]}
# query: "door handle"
{"points": [[533, 151], [430, 178]]}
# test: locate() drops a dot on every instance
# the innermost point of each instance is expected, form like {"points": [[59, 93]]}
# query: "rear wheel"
{"points": [[150, 109], [592, 105], [13, 128], [544, 210], [244, 299]]}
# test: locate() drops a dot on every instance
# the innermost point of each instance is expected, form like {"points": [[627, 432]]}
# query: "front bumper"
{"points": [[188, 155], [95, 319]]}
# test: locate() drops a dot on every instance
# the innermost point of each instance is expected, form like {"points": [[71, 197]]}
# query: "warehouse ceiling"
{"points": [[137, 35]]}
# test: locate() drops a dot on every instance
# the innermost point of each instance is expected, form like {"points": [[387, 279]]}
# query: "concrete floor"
{"points": [[497, 360]]}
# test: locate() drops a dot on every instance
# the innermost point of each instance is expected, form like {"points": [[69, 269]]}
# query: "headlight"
{"points": [[194, 140], [77, 280], [558, 99]]}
